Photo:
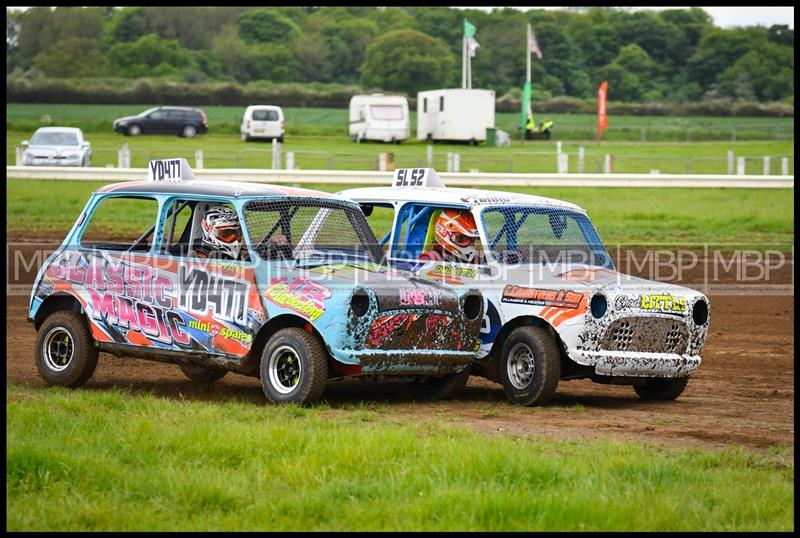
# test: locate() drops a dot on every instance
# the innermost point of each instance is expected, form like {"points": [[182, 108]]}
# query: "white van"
{"points": [[379, 117], [262, 122]]}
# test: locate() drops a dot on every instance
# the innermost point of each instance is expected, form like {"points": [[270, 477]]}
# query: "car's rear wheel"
{"points": [[294, 367], [530, 366], [202, 374], [189, 131], [661, 389], [280, 139], [65, 352], [134, 130]]}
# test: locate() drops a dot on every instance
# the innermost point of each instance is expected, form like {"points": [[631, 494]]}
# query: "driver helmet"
{"points": [[455, 231], [222, 232]]}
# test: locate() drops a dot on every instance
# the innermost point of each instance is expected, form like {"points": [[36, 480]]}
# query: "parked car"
{"points": [[275, 282], [263, 122], [57, 146], [177, 120], [556, 307]]}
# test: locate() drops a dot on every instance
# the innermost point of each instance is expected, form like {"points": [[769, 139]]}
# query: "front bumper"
{"points": [[416, 361], [637, 363]]}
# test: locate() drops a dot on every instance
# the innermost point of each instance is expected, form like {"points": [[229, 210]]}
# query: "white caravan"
{"points": [[455, 114], [379, 117]]}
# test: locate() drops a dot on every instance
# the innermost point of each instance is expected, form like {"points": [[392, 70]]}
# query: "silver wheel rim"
{"points": [[134, 131], [520, 366], [285, 369], [58, 349], [188, 132]]}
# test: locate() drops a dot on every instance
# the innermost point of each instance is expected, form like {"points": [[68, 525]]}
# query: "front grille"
{"points": [[650, 335]]}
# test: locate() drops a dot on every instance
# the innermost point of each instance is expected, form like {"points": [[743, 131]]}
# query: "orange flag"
{"points": [[602, 118]]}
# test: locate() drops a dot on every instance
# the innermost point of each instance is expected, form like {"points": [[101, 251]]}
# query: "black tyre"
{"points": [[189, 131], [530, 366], [443, 387], [134, 130], [294, 367], [65, 350], [202, 374], [280, 139], [549, 134], [661, 389]]}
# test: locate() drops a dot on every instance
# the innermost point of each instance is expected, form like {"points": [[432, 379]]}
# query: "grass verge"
{"points": [[114, 461]]}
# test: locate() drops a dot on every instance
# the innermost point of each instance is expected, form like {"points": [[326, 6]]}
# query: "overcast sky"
{"points": [[725, 17]]}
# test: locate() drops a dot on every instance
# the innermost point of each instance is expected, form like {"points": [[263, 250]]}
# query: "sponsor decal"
{"points": [[419, 297], [473, 199], [541, 297], [139, 304], [303, 295], [451, 273], [663, 303]]}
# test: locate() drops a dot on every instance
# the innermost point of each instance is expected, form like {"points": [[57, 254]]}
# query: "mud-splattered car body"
{"points": [[545, 266], [153, 299]]}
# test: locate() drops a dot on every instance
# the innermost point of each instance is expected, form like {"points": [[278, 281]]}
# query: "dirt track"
{"points": [[743, 393]]}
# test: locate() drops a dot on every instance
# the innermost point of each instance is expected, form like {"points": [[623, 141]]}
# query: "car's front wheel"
{"points": [[661, 389], [65, 350], [189, 131], [134, 130], [294, 367], [530, 366]]}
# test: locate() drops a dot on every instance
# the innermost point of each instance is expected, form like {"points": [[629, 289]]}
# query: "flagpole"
{"points": [[469, 71], [464, 63], [528, 48]]}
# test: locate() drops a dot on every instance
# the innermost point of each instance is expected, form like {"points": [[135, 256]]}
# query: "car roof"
{"points": [[464, 196], [58, 129], [231, 189], [177, 108]]}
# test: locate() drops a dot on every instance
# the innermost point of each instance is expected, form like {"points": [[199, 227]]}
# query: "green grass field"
{"points": [[337, 152], [621, 215], [333, 121], [99, 461]]}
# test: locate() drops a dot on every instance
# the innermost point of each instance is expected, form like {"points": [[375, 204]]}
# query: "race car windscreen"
{"points": [[322, 231], [542, 234]]}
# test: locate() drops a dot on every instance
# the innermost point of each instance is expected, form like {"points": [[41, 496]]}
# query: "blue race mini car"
{"points": [[280, 283]]}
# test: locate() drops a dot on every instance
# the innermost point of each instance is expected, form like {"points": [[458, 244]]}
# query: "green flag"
{"points": [[469, 29], [526, 103]]}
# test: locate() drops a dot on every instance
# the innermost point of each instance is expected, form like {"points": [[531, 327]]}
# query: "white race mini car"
{"points": [[555, 307]]}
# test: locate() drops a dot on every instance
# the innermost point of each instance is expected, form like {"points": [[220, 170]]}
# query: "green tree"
{"points": [[765, 73], [72, 57], [622, 84], [407, 61], [266, 26], [149, 56], [718, 49]]}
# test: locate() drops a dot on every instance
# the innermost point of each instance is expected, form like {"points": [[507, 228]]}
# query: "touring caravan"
{"points": [[455, 114], [379, 117]]}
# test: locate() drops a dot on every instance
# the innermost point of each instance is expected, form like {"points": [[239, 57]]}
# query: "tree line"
{"points": [[673, 54]]}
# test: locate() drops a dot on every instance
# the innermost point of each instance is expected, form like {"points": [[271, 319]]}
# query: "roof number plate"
{"points": [[416, 177], [169, 170]]}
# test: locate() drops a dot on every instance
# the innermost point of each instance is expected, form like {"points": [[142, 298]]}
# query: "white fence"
{"points": [[453, 179]]}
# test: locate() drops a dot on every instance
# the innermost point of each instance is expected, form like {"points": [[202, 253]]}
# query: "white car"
{"points": [[262, 122], [57, 146], [555, 306]]}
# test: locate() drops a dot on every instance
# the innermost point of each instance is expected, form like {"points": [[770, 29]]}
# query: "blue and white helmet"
{"points": [[222, 231]]}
